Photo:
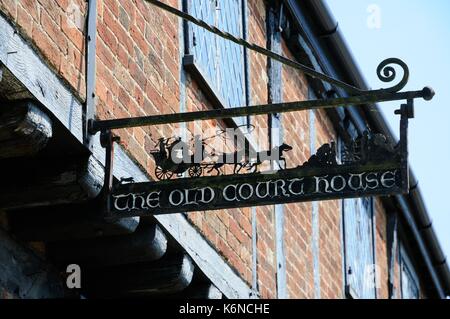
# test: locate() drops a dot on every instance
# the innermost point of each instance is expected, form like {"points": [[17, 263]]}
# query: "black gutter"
{"points": [[334, 48]]}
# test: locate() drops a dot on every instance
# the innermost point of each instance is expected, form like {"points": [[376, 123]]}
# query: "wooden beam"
{"points": [[199, 291], [147, 243], [24, 129], [50, 181], [206, 291], [24, 275], [11, 89], [169, 275], [66, 222]]}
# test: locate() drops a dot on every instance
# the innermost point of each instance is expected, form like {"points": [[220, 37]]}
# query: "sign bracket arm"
{"points": [[385, 167]]}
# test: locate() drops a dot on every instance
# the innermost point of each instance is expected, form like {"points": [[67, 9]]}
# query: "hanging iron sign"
{"points": [[367, 166], [246, 191]]}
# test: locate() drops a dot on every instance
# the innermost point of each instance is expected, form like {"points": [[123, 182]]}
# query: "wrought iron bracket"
{"points": [[406, 112], [107, 141], [375, 153], [369, 166]]}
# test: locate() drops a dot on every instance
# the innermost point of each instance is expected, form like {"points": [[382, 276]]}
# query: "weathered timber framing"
{"points": [[24, 129], [315, 221], [391, 247], [91, 56], [66, 107], [275, 89], [192, 67], [200, 291], [147, 243], [67, 222], [169, 275], [40, 81], [50, 182]]}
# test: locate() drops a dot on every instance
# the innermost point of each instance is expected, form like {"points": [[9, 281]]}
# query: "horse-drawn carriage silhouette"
{"points": [[169, 163], [167, 166]]}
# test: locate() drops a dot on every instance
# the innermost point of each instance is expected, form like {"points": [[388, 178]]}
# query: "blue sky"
{"points": [[418, 32]]}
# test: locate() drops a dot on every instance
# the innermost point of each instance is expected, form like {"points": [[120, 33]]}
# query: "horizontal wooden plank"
{"points": [[147, 243], [169, 275], [49, 182], [200, 291], [24, 129], [39, 79], [67, 222]]}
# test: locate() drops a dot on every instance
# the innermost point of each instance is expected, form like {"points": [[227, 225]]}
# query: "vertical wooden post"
{"points": [[91, 45], [275, 90]]}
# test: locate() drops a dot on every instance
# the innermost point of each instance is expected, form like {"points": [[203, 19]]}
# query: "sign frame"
{"points": [[378, 158]]}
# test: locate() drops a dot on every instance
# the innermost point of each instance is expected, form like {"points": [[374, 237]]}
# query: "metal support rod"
{"points": [[369, 98], [406, 112], [107, 141]]}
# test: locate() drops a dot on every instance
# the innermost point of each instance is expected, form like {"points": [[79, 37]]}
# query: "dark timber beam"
{"points": [[169, 275], [24, 129], [147, 243], [26, 276], [50, 181], [199, 291], [66, 222]]}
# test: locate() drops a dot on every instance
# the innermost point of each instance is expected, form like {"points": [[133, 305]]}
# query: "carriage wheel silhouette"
{"points": [[163, 174], [195, 171]]}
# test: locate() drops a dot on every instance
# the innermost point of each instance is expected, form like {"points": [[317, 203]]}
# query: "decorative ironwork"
{"points": [[167, 166], [367, 149], [369, 165], [195, 165], [387, 73], [325, 156], [320, 178]]}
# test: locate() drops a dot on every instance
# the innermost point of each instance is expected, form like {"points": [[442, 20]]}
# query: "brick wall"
{"points": [[298, 226], [55, 32], [138, 73]]}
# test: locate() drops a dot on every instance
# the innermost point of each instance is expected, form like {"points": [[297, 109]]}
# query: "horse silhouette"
{"points": [[223, 160], [275, 154]]}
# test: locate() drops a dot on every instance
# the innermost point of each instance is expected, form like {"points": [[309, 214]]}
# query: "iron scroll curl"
{"points": [[387, 73]]}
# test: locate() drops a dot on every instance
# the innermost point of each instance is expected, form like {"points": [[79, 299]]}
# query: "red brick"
{"points": [[48, 47], [54, 31]]}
